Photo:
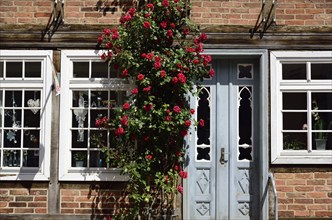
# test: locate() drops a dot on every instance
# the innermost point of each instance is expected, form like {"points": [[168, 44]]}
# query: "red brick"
{"points": [[295, 11], [325, 175], [300, 213], [323, 188], [23, 198], [304, 201], [67, 211], [286, 201], [36, 204], [17, 204], [285, 188], [82, 199], [316, 207], [86, 205], [40, 211], [83, 211], [284, 176], [6, 198], [295, 182], [304, 176], [70, 192], [4, 192], [6, 210], [38, 192], [24, 210], [314, 11], [313, 22], [296, 195], [316, 194], [294, 22], [41, 14], [69, 205], [296, 207], [304, 17], [303, 5], [316, 182], [286, 214], [93, 15], [323, 214], [6, 3], [304, 188], [23, 3], [19, 192], [323, 201], [12, 9], [68, 198], [3, 204], [43, 3], [40, 198]]}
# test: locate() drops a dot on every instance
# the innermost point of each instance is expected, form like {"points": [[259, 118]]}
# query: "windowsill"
{"points": [[97, 174], [24, 174], [303, 157]]}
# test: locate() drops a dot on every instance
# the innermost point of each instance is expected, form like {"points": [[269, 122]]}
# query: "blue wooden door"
{"points": [[223, 156]]}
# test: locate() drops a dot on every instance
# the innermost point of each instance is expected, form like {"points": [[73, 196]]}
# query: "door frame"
{"points": [[262, 55]]}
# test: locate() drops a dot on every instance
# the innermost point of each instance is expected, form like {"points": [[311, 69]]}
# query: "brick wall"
{"points": [[304, 194], [205, 12], [246, 12], [16, 198], [93, 199]]}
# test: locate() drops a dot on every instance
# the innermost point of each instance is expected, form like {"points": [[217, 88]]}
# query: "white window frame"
{"points": [[68, 83], [42, 172], [278, 155]]}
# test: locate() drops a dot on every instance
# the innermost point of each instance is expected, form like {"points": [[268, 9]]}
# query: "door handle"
{"points": [[223, 156]]}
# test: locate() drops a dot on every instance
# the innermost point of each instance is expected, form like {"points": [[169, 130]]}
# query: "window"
{"points": [[90, 90], [301, 107], [25, 114]]}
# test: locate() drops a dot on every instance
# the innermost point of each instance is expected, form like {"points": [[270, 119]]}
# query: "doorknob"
{"points": [[223, 156]]}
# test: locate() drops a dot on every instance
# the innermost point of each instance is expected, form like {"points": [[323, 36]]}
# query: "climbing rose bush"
{"points": [[160, 51]]}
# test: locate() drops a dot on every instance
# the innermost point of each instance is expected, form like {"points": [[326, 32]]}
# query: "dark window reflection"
{"points": [[321, 71], [294, 71], [294, 101]]}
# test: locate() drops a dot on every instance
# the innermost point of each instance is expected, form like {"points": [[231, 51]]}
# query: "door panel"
{"points": [[223, 156]]}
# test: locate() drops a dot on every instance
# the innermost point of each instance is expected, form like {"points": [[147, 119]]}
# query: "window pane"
{"points": [[80, 98], [322, 144], [13, 118], [12, 138], [99, 70], [98, 138], [99, 99], [31, 138], [1, 69], [113, 71], [294, 71], [31, 119], [294, 141], [81, 69], [97, 114], [13, 99], [11, 158], [14, 69], [33, 69], [321, 71], [79, 159], [79, 139], [97, 159], [117, 98], [321, 101], [31, 158], [294, 101], [294, 120]]}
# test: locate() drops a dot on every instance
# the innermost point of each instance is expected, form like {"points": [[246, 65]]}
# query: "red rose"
{"points": [[196, 61], [203, 37], [157, 65], [183, 174], [126, 106], [165, 3], [146, 24], [176, 109], [149, 56], [134, 91], [163, 24], [132, 11], [182, 78], [184, 133], [115, 36], [147, 107], [201, 122], [124, 73], [107, 32], [147, 89], [187, 123], [180, 189], [124, 120], [100, 39], [147, 15], [175, 80], [192, 111], [109, 45], [127, 17], [149, 157], [172, 25], [140, 77], [211, 72], [119, 131], [162, 73], [169, 33], [150, 6], [168, 118], [98, 122], [103, 56], [176, 167], [186, 31]]}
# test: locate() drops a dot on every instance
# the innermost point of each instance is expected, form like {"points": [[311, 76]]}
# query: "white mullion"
{"points": [[309, 114], [308, 68]]}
